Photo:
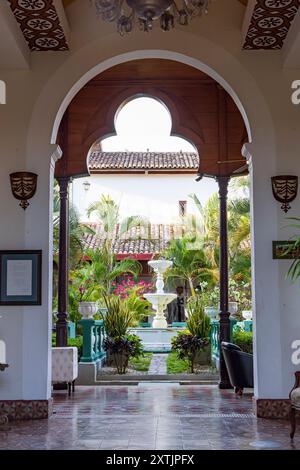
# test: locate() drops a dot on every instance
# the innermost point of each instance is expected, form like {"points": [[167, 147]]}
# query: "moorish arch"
{"points": [[202, 112]]}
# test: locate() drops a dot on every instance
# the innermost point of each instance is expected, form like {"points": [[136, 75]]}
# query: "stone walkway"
{"points": [[158, 364]]}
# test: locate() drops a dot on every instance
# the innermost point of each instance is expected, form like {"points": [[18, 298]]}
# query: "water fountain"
{"points": [[160, 299], [158, 337]]}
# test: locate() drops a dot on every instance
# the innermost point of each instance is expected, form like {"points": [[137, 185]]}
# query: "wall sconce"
{"points": [[285, 188], [23, 186], [86, 185]]}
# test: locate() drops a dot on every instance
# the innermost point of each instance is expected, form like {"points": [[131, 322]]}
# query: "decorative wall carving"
{"points": [[270, 23], [40, 24]]}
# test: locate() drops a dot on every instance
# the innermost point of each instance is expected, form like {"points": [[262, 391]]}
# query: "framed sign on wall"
{"points": [[285, 250], [20, 277]]}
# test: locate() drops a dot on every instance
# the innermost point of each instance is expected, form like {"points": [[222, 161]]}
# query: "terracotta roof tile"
{"points": [[142, 240], [105, 161]]}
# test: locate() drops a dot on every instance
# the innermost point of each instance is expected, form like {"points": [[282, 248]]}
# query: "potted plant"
{"points": [[211, 299], [85, 292], [193, 344], [118, 344]]}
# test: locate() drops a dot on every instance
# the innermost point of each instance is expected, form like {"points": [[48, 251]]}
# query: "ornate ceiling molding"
{"points": [[270, 24], [40, 24]]}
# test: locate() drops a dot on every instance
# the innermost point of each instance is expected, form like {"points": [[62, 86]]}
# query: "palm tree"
{"points": [[104, 270], [77, 231], [189, 263], [107, 214], [238, 229]]}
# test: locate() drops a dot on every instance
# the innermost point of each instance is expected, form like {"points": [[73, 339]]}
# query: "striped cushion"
{"points": [[295, 398]]}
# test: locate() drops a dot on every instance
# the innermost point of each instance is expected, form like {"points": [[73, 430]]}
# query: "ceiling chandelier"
{"points": [[144, 12]]}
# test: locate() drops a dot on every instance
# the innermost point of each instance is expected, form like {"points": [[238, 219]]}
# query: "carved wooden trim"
{"points": [[40, 24], [270, 24]]}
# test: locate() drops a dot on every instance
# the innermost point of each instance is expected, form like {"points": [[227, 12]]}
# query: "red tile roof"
{"points": [[143, 161], [138, 241]]}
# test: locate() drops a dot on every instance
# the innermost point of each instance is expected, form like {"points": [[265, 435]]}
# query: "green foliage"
{"points": [[141, 363], [198, 322], [107, 214], [136, 344], [189, 262], [176, 365], [244, 339], [294, 271], [122, 348], [118, 317], [138, 307], [77, 231], [187, 346], [104, 268]]}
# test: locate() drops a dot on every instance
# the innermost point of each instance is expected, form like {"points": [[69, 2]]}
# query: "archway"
{"points": [[202, 112]]}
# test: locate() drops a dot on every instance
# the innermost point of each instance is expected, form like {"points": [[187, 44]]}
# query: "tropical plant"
{"points": [[198, 323], [117, 318], [294, 270], [121, 349], [190, 342], [77, 232], [189, 263], [120, 345], [132, 293], [107, 214], [187, 347], [238, 230], [105, 268]]}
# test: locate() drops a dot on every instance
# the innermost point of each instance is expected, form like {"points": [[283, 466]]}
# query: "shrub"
{"points": [[187, 346], [244, 339], [122, 349]]}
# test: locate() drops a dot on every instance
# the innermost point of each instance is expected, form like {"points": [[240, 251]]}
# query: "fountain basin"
{"points": [[160, 265], [159, 302], [156, 340]]}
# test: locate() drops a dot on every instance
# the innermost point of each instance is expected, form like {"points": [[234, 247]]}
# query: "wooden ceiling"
{"points": [[201, 112]]}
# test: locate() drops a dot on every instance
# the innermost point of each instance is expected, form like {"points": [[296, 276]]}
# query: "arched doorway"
{"points": [[202, 112]]}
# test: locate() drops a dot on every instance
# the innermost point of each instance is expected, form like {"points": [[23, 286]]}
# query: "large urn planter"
{"points": [[233, 309], [117, 360], [203, 357], [247, 314], [87, 309]]}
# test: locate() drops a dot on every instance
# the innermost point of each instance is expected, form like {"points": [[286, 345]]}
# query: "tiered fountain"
{"points": [[159, 337], [160, 299]]}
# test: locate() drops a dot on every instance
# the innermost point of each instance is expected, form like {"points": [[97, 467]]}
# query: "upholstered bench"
{"points": [[295, 403], [65, 366]]}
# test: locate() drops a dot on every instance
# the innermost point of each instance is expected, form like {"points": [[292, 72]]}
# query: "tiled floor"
{"points": [[151, 416]]}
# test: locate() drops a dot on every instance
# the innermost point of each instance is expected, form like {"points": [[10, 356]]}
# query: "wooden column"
{"points": [[224, 313], [62, 315]]}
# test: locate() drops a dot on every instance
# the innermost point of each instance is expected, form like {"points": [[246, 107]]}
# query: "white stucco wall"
{"points": [[36, 100], [153, 196]]}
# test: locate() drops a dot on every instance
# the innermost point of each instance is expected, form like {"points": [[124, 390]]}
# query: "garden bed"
{"points": [[137, 366]]}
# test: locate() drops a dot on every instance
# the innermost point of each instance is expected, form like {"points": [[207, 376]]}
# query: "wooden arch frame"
{"points": [[202, 112]]}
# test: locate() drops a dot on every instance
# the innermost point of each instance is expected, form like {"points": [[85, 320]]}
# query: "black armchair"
{"points": [[239, 367]]}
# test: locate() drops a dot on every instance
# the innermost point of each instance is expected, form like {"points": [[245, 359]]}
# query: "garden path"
{"points": [[158, 364]]}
